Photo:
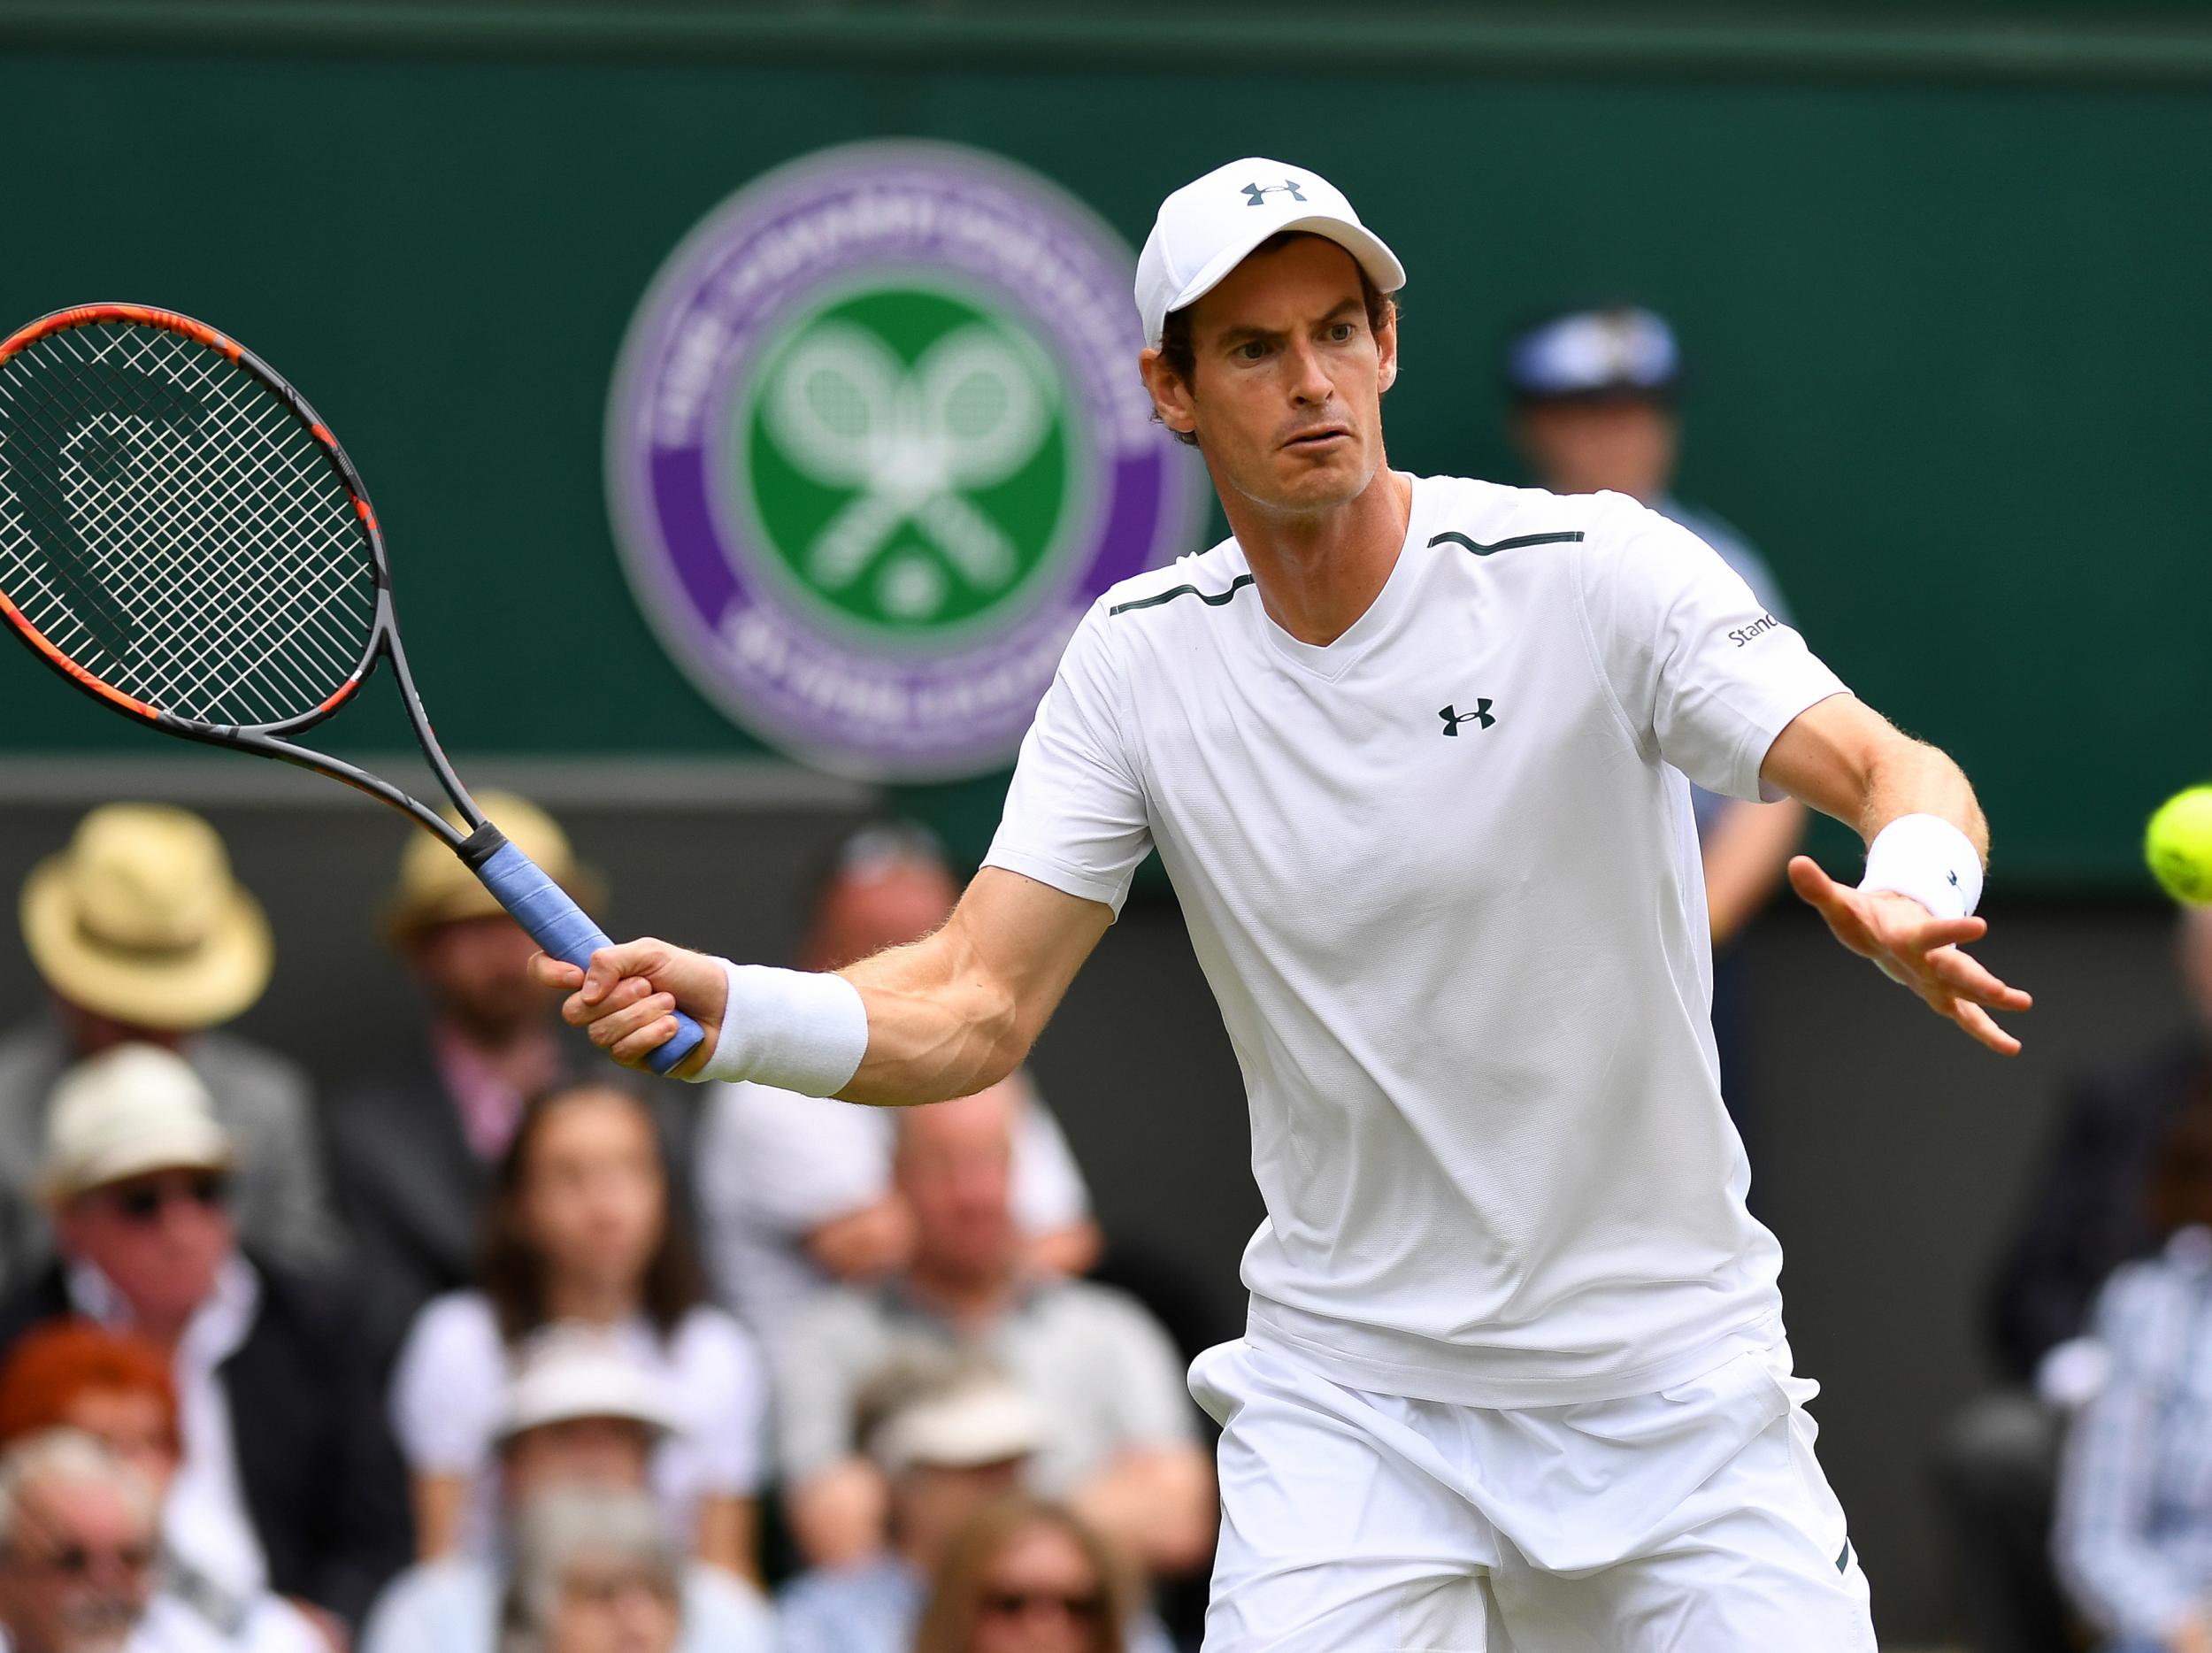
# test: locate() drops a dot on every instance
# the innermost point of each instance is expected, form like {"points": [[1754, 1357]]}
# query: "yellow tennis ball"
{"points": [[2178, 845]]}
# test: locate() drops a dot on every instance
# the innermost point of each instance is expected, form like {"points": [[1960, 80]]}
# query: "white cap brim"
{"points": [[1381, 265]]}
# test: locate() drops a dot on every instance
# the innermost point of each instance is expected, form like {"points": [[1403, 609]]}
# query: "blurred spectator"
{"points": [[71, 1374], [593, 1574], [581, 1230], [413, 1149], [2134, 1530], [1026, 1577], [76, 1547], [583, 1416], [2083, 1216], [1120, 1443], [950, 1437], [795, 1192], [1593, 408], [142, 936], [288, 1479]]}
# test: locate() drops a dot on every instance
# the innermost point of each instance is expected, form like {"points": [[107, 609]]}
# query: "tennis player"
{"points": [[1414, 751]]}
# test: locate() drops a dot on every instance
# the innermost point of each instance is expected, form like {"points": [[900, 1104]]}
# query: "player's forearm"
{"points": [[1909, 777], [956, 1013], [939, 1025], [1846, 760]]}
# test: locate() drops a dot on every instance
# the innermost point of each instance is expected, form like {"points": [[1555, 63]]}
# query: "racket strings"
{"points": [[169, 581], [194, 590], [168, 524]]}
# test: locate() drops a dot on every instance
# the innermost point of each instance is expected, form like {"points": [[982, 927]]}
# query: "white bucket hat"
{"points": [[124, 1113], [978, 1419], [570, 1372], [1208, 227]]}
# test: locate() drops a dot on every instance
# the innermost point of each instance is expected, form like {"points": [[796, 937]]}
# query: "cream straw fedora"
{"points": [[140, 919]]}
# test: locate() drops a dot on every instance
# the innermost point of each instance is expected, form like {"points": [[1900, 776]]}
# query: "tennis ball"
{"points": [[2178, 845]]}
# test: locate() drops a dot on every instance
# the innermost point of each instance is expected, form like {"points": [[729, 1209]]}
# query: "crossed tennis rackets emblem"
{"points": [[914, 442]]}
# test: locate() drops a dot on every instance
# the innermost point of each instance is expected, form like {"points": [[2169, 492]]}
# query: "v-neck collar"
{"points": [[1331, 660]]}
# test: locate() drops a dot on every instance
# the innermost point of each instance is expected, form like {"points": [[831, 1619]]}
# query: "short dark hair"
{"points": [[1178, 354], [511, 1269]]}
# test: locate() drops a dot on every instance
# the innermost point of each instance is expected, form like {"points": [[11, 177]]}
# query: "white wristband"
{"points": [[794, 1029], [1928, 858]]}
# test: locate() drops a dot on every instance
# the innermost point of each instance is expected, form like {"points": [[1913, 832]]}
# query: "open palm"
{"points": [[1916, 949]]}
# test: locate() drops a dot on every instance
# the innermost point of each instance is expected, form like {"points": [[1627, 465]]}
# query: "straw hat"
{"points": [[436, 888], [140, 919], [126, 1111]]}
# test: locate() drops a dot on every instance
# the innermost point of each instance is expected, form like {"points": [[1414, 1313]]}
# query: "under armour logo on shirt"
{"points": [[1479, 717], [1256, 193]]}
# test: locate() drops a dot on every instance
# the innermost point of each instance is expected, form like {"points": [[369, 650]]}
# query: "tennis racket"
{"points": [[182, 539]]}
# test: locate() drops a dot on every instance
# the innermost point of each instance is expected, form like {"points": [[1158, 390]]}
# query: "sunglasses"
{"points": [[75, 1561], [1084, 1607], [144, 1204]]}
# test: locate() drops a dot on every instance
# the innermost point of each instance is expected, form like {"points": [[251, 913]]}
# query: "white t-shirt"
{"points": [[773, 1165], [1442, 879], [272, 1625], [449, 1390]]}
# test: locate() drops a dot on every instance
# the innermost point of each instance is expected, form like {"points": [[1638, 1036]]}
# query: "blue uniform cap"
{"points": [[1620, 350]]}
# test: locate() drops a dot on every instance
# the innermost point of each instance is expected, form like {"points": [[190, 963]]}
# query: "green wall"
{"points": [[1950, 338]]}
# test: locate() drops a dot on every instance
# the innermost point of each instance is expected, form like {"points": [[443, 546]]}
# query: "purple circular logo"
{"points": [[877, 441]]}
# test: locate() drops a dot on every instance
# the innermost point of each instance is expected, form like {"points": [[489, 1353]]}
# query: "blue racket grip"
{"points": [[554, 922]]}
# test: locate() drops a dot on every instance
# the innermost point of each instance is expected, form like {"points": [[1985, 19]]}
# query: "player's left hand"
{"points": [[1916, 949]]}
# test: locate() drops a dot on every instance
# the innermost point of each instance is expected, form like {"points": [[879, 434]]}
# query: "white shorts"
{"points": [[1694, 1520]]}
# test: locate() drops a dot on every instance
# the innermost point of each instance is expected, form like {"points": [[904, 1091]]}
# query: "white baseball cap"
{"points": [[125, 1112], [1206, 228], [570, 1372]]}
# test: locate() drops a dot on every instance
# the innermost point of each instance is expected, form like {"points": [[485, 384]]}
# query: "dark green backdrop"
{"points": [[1949, 335]]}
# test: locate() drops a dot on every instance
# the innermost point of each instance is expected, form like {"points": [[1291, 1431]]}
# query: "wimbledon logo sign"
{"points": [[877, 441]]}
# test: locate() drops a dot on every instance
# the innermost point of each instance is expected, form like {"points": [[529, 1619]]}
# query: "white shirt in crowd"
{"points": [[774, 1165], [204, 1520], [450, 1388], [272, 1625], [1442, 879]]}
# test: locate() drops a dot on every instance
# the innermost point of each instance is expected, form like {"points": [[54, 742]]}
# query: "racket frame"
{"points": [[273, 740]]}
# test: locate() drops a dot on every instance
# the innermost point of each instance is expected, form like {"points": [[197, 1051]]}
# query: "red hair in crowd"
{"points": [[52, 1366]]}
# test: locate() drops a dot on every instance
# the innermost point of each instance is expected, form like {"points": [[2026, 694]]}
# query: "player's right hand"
{"points": [[627, 1000]]}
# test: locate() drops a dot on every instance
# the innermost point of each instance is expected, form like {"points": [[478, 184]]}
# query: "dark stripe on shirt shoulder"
{"points": [[1211, 599], [1507, 545]]}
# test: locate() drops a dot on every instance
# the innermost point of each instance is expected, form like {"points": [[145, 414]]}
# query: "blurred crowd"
{"points": [[498, 1350]]}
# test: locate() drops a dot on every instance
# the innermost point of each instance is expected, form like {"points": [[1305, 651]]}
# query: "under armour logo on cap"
{"points": [[1255, 194]]}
